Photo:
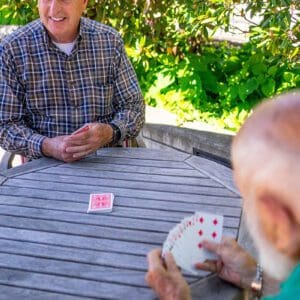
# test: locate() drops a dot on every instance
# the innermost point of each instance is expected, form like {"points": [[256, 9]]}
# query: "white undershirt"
{"points": [[65, 47]]}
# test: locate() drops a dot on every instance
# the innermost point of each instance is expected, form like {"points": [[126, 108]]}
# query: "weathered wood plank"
{"points": [[89, 166], [131, 187], [169, 164], [13, 292], [210, 188], [35, 165], [102, 220], [93, 231], [113, 175], [77, 270], [138, 199], [73, 286], [143, 153], [215, 171], [79, 242], [109, 260], [86, 230], [106, 260], [120, 216], [85, 256]]}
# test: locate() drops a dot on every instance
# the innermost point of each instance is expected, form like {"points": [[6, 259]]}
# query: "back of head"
{"points": [[268, 144], [266, 161]]}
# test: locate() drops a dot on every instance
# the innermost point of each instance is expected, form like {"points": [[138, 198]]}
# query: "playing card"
{"points": [[81, 129], [207, 227], [184, 241], [100, 203]]}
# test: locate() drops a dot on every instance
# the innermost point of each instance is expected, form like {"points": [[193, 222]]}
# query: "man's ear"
{"points": [[279, 225]]}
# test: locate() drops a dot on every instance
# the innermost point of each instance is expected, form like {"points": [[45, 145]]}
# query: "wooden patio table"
{"points": [[50, 248]]}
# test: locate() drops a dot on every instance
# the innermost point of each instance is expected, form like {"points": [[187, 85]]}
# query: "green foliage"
{"points": [[17, 12], [221, 86], [180, 69]]}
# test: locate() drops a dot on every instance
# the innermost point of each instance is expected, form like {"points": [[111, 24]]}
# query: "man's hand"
{"points": [[69, 148], [166, 279], [234, 264], [56, 148], [84, 143]]}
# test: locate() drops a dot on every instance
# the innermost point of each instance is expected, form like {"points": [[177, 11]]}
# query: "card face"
{"points": [[184, 241], [82, 129], [100, 203]]}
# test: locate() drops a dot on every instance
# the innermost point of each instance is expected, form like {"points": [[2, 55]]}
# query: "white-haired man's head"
{"points": [[266, 162]]}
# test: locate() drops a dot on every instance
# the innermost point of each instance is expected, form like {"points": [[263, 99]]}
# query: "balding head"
{"points": [[266, 160], [266, 151]]}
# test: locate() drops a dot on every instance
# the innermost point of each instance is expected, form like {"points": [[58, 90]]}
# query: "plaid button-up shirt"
{"points": [[46, 93]]}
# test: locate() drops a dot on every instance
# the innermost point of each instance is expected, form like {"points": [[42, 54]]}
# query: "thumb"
{"points": [[212, 246], [171, 263]]}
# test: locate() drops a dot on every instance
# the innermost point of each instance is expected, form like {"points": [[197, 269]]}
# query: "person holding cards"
{"points": [[266, 161], [61, 73]]}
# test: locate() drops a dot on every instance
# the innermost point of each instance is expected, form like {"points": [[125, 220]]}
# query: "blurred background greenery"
{"points": [[182, 63]]}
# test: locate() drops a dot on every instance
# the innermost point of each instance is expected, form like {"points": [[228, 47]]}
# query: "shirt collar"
{"points": [[47, 39]]}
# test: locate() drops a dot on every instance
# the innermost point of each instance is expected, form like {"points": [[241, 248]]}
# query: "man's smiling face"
{"points": [[61, 18]]}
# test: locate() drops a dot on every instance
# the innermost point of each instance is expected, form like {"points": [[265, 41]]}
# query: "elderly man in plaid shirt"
{"points": [[62, 72]]}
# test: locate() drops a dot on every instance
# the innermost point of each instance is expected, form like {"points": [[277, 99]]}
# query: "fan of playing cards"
{"points": [[184, 241]]}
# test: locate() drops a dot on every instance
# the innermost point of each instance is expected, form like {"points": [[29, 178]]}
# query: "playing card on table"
{"points": [[184, 241], [100, 203]]}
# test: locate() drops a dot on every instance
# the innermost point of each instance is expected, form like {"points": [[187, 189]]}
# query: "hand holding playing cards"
{"points": [[234, 264], [56, 147], [88, 141], [82, 142], [165, 278]]}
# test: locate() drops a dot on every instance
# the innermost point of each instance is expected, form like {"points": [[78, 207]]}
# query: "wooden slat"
{"points": [[178, 202], [79, 242], [35, 165], [215, 171], [89, 258], [143, 153], [94, 231], [162, 201], [85, 256], [130, 187], [84, 219], [143, 215], [12, 292], [109, 175], [210, 188], [78, 270], [90, 166], [169, 164], [72, 286]]}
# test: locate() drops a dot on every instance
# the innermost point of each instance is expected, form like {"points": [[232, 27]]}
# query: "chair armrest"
{"points": [[6, 160]]}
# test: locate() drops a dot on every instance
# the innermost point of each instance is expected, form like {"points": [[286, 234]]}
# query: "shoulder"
{"points": [[23, 35], [92, 27]]}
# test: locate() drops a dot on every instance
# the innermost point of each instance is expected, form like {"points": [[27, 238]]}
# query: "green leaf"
{"points": [[259, 68], [288, 76], [268, 88], [272, 70]]}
